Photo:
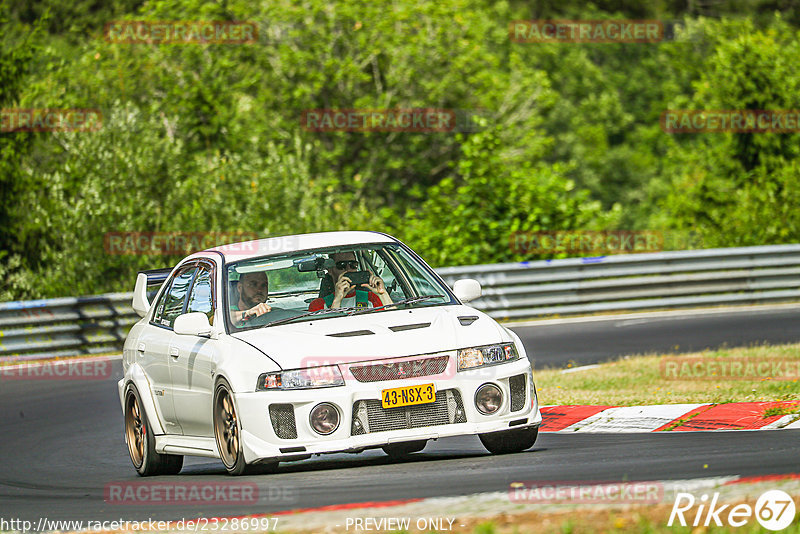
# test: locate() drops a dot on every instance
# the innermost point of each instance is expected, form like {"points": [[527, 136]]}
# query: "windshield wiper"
{"points": [[323, 311], [411, 300]]}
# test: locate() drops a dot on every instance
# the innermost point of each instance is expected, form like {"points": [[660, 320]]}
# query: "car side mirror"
{"points": [[467, 289], [192, 324]]}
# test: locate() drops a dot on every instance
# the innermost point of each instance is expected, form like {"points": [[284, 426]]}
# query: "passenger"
{"points": [[345, 294]]}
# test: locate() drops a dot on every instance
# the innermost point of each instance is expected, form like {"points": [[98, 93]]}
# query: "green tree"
{"points": [[736, 188], [18, 47], [472, 217]]}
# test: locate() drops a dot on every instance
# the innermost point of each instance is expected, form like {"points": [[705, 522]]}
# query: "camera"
{"points": [[358, 277]]}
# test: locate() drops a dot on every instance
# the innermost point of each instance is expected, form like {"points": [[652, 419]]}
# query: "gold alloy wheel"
{"points": [[226, 428], [135, 430]]}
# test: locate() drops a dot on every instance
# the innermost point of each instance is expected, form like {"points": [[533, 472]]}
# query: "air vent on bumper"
{"points": [[517, 386], [282, 418]]}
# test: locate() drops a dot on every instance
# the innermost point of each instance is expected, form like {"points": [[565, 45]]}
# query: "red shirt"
{"points": [[319, 303]]}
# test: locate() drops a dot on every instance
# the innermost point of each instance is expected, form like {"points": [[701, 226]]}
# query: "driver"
{"points": [[253, 289], [345, 293]]}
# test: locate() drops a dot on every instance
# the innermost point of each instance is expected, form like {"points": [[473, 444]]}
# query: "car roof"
{"points": [[294, 243]]}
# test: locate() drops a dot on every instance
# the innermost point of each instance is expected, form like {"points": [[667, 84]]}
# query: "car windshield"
{"points": [[301, 286]]}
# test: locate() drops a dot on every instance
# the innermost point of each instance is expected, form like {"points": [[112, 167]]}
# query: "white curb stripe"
{"points": [[632, 418], [796, 424], [780, 423]]}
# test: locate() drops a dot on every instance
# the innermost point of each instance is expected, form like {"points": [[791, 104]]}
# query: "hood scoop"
{"points": [[352, 334], [404, 327], [467, 320]]}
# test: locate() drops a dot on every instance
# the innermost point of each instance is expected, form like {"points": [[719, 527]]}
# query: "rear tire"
{"points": [[142, 442], [401, 450], [509, 441]]}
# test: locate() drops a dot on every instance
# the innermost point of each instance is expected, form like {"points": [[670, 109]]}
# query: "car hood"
{"points": [[374, 336]]}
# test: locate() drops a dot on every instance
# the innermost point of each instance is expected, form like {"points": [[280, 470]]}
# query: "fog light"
{"points": [[488, 399], [324, 418]]}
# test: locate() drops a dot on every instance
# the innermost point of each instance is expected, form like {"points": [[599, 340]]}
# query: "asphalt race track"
{"points": [[62, 441], [582, 343]]}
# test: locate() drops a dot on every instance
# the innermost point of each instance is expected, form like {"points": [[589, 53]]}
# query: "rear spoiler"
{"points": [[147, 285]]}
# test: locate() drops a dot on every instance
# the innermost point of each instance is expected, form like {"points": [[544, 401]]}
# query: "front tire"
{"points": [[142, 442], [228, 431], [509, 441]]}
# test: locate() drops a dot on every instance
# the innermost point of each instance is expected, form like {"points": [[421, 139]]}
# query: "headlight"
{"points": [[312, 377], [488, 355]]}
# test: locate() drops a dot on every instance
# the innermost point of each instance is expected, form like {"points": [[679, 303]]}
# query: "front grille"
{"points": [[400, 370], [282, 417], [369, 416], [517, 386]]}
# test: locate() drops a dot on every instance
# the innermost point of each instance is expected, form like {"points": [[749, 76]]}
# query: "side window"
{"points": [[201, 298], [171, 304], [160, 306], [419, 280]]}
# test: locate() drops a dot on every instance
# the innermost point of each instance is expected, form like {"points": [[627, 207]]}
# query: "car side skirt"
{"points": [[187, 445]]}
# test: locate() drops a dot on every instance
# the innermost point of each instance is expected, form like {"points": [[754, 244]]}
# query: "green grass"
{"points": [[641, 380]]}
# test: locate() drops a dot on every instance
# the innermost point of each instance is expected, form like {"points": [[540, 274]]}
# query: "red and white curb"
{"points": [[671, 417], [449, 514]]}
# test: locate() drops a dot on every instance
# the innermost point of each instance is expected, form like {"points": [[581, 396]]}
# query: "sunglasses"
{"points": [[342, 265]]}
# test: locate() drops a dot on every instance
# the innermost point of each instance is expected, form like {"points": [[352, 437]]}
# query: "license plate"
{"points": [[408, 396]]}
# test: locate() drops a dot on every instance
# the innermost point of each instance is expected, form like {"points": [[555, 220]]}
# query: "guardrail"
{"points": [[96, 324], [636, 281], [64, 327]]}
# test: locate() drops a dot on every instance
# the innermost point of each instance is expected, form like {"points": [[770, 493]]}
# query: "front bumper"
{"points": [[260, 434]]}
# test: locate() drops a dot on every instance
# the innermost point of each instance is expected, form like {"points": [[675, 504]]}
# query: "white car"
{"points": [[221, 367]]}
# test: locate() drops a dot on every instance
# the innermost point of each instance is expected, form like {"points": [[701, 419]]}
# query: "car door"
{"points": [[193, 362], [154, 345]]}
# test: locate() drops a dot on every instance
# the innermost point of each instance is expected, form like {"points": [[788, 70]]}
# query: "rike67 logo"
{"points": [[774, 510]]}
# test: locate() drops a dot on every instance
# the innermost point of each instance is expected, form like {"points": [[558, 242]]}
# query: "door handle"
{"points": [[173, 351], [140, 348]]}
